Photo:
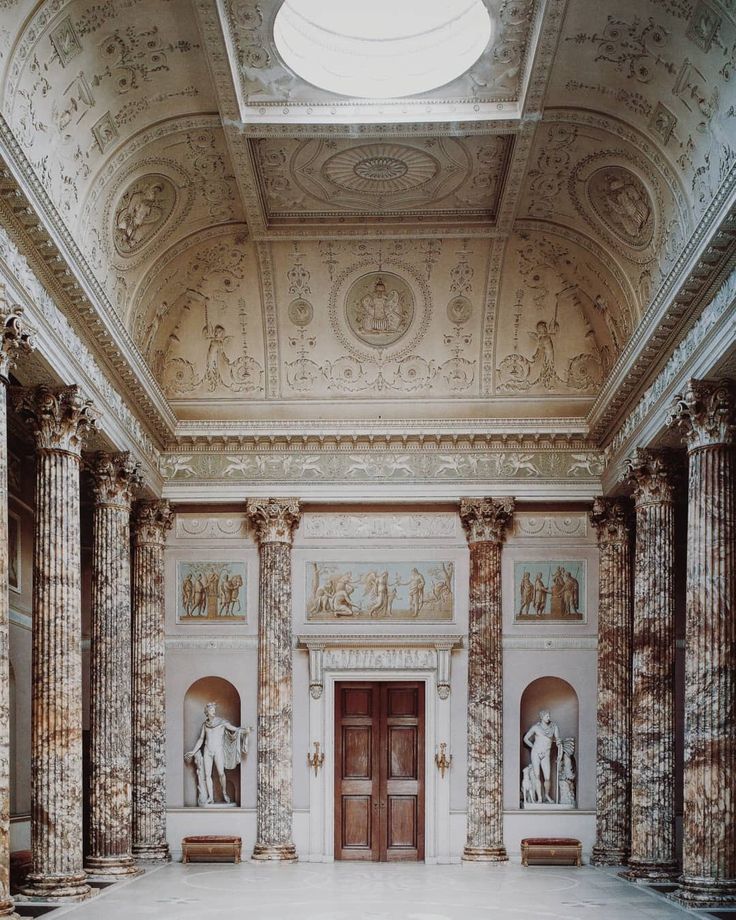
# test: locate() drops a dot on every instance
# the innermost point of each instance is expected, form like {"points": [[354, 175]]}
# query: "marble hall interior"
{"points": [[367, 459]]}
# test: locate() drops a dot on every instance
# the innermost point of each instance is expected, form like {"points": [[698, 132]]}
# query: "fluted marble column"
{"points": [[151, 522], [485, 521], [613, 762], [653, 474], [61, 418], [706, 417], [115, 477], [15, 341], [274, 521]]}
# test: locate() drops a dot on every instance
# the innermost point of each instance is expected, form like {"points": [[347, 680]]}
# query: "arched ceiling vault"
{"points": [[487, 250]]}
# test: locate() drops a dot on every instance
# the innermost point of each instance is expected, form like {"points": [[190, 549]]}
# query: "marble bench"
{"points": [[211, 848], [551, 851]]}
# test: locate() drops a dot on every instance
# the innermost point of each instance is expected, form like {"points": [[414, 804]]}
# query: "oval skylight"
{"points": [[381, 49]]}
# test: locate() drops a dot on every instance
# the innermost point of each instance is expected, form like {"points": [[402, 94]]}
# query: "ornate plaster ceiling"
{"points": [[278, 253]]}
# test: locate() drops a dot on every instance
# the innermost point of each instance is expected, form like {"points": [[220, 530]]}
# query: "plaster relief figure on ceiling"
{"points": [[379, 307], [621, 201], [142, 211]]}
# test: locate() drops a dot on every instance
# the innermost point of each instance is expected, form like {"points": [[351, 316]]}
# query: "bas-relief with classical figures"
{"points": [[547, 591], [211, 592], [408, 592]]}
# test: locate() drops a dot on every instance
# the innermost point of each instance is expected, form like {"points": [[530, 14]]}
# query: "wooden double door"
{"points": [[379, 770]]}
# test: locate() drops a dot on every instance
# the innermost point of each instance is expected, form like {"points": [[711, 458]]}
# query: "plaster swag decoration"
{"points": [[274, 521], [60, 420], [486, 521]]}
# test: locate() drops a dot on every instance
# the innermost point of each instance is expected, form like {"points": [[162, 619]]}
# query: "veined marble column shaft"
{"points": [[274, 521], [61, 418], [485, 521], [15, 341], [706, 417], [151, 522], [115, 477], [653, 475], [613, 761]]}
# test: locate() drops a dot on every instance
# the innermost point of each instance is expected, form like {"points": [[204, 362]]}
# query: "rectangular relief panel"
{"points": [[211, 593], [550, 591]]}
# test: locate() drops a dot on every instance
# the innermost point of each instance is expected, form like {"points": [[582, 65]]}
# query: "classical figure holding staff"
{"points": [[221, 745]]}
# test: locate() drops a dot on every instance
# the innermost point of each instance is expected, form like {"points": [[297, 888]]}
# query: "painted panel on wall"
{"points": [[551, 591], [14, 575], [380, 590], [211, 592]]}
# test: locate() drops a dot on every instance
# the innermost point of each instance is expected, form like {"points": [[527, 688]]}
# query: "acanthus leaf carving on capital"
{"points": [[151, 521], [116, 477], [61, 418], [486, 519], [654, 475], [610, 517], [17, 337], [274, 519], [705, 413]]}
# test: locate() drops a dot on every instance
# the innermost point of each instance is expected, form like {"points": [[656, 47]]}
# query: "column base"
{"points": [[158, 852], [608, 856], [485, 854], [56, 887], [7, 909], [111, 866], [274, 852], [650, 872], [696, 892]]}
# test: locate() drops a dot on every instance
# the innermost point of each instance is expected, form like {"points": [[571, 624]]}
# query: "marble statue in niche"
{"points": [[377, 590], [549, 778], [220, 746], [549, 591], [211, 592]]}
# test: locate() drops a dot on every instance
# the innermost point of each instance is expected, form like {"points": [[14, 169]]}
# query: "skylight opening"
{"points": [[381, 49]]}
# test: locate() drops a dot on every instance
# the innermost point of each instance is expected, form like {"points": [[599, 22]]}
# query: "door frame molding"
{"points": [[346, 657]]}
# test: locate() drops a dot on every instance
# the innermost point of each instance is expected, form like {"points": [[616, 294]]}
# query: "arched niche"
{"points": [[560, 699], [203, 691]]}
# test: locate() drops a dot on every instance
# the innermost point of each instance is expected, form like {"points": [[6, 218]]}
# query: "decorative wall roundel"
{"points": [[621, 201], [380, 168], [301, 312], [379, 308], [142, 211]]}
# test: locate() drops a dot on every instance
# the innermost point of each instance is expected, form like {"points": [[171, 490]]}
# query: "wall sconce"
{"points": [[317, 759], [442, 760]]}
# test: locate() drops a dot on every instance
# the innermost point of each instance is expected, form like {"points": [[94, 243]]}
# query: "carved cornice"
{"points": [[60, 418], [654, 475], [152, 520], [115, 479], [274, 519], [706, 413], [16, 337], [486, 519], [610, 518]]}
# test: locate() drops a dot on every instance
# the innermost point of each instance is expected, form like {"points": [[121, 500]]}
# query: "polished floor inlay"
{"points": [[342, 891]]}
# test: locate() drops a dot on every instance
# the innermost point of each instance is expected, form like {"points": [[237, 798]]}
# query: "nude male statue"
{"points": [[220, 744], [540, 738]]}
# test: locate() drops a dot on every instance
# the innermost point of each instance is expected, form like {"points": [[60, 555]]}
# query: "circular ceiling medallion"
{"points": [[379, 308], [622, 203], [142, 211], [301, 312], [459, 310], [380, 168]]}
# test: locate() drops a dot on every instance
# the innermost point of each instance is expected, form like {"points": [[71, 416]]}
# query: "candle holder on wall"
{"points": [[317, 759], [442, 760]]}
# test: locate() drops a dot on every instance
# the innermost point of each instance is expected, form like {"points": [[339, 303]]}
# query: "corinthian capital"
{"points": [[115, 479], [610, 517], [274, 519], [151, 521], [17, 338], [486, 519], [654, 475], [60, 418], [705, 413]]}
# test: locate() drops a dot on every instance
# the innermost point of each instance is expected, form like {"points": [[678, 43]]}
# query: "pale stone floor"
{"points": [[355, 891]]}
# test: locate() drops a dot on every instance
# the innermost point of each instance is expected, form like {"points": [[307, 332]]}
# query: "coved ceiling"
{"points": [[277, 253]]}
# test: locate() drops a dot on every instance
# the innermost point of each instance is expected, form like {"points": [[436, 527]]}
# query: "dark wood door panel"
{"points": [[379, 771]]}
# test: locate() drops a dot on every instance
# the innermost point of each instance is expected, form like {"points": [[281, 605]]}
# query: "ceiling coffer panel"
{"points": [[402, 181]]}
